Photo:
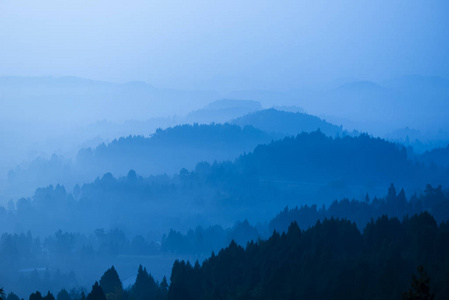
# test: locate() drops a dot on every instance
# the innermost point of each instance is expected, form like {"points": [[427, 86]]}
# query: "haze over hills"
{"points": [[417, 102], [287, 123], [159, 153], [222, 111], [224, 150], [75, 112], [309, 168], [164, 152]]}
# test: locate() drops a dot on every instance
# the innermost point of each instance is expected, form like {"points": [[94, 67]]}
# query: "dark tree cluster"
{"points": [[257, 185], [434, 200], [110, 288], [213, 238], [331, 260]]}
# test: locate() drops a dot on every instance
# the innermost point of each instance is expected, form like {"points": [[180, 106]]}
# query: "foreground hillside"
{"points": [[74, 258], [331, 260]]}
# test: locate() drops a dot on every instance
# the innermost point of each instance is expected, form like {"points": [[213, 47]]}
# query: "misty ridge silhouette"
{"points": [[224, 150], [223, 181]]}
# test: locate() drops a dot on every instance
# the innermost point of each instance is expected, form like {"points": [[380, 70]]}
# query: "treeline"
{"points": [[164, 151], [288, 123], [434, 200], [435, 157], [203, 241], [109, 287], [331, 260], [310, 168], [63, 255], [361, 212], [314, 157], [69, 259]]}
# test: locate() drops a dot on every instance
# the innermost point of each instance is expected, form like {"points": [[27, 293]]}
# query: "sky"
{"points": [[224, 45]]}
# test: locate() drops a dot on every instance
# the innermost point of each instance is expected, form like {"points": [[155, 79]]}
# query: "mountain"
{"points": [[331, 260], [419, 102], [166, 151], [310, 168], [438, 157], [287, 123], [221, 111]]}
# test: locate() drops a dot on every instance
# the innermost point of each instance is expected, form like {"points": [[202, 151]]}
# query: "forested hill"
{"points": [[166, 151], [287, 123], [169, 150], [331, 260], [438, 157], [307, 169], [316, 158]]}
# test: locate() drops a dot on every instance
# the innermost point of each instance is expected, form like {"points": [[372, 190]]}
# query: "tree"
{"points": [[2, 294], [145, 287], [49, 296], [96, 293], [36, 296], [391, 196], [12, 296], [110, 282], [164, 284], [420, 289], [63, 295]]}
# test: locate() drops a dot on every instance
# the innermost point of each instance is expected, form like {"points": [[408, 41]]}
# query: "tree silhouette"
{"points": [[36, 296], [49, 296], [63, 295], [110, 282], [420, 289], [2, 294], [96, 293]]}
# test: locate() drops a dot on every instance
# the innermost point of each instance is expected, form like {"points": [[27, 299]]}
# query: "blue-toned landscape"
{"points": [[224, 150]]}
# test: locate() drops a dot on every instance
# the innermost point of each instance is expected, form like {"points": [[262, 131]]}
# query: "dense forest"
{"points": [[435, 157], [69, 258], [153, 154], [159, 152], [307, 169], [224, 150], [331, 260], [154, 220]]}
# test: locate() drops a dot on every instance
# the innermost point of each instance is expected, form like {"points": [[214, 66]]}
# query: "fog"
{"points": [[224, 46], [148, 132]]}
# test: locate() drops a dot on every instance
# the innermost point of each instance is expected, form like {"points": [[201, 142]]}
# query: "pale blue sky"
{"points": [[224, 45]]}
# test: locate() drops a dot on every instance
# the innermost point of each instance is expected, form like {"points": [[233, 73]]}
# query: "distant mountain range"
{"points": [[169, 150], [376, 107], [309, 168], [287, 123]]}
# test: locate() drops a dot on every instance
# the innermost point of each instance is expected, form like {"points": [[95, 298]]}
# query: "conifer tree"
{"points": [[96, 293], [420, 289]]}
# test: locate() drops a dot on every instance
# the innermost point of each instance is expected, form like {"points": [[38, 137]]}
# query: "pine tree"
{"points": [[49, 296], [420, 289], [96, 293], [110, 282], [63, 295]]}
